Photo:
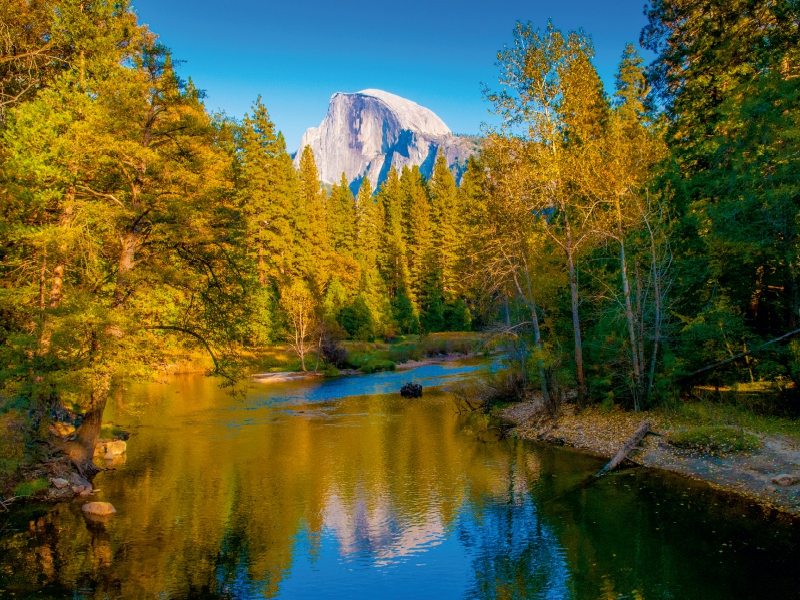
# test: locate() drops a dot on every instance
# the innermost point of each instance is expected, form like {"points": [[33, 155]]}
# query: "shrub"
{"points": [[109, 430], [26, 489], [331, 371], [12, 446], [333, 352], [716, 440], [378, 365], [481, 393], [457, 316], [357, 320]]}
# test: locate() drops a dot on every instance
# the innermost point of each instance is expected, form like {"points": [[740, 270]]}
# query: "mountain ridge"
{"points": [[367, 133]]}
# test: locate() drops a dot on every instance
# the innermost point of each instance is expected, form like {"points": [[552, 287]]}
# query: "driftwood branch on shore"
{"points": [[632, 443]]}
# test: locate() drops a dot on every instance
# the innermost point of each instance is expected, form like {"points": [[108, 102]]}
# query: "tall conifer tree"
{"points": [[316, 228], [445, 216], [342, 218], [272, 196]]}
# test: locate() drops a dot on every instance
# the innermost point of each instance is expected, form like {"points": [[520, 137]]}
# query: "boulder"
{"points": [[110, 449], [116, 448], [60, 483], [785, 480], [78, 481], [100, 509], [411, 390]]}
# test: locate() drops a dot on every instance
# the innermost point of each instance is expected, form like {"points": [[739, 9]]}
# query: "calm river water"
{"points": [[341, 489]]}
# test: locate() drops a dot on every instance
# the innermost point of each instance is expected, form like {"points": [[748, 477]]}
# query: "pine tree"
{"points": [[369, 225], [316, 227], [392, 256], [272, 196], [342, 219], [417, 230], [445, 218]]}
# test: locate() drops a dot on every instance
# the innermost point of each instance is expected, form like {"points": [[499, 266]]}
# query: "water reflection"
{"points": [[387, 382], [295, 494]]}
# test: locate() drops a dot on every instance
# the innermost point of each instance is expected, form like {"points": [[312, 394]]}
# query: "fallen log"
{"points": [[626, 449]]}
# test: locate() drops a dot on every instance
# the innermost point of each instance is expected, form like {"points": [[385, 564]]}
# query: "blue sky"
{"points": [[296, 54]]}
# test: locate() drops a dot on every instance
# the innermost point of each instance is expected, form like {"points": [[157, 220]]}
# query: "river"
{"points": [[341, 489]]}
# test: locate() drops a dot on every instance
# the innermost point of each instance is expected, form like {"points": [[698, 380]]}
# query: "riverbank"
{"points": [[603, 433], [283, 376]]}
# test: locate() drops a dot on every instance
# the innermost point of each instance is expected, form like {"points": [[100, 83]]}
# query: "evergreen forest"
{"points": [[624, 245]]}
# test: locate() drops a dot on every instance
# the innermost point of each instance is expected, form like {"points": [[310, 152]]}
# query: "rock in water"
{"points": [[411, 390], [60, 483], [100, 509], [116, 448], [367, 133], [785, 480]]}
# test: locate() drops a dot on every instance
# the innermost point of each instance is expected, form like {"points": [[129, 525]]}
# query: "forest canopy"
{"points": [[619, 240]]}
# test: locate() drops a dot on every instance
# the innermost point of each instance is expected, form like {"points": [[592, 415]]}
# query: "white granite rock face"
{"points": [[368, 132]]}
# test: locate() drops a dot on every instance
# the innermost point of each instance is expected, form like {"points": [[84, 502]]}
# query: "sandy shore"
{"points": [[603, 434]]}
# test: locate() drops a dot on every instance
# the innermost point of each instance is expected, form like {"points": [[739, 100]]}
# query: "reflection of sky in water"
{"points": [[388, 382], [477, 556], [292, 494], [389, 549]]}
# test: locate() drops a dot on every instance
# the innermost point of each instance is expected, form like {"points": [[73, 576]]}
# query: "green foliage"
{"points": [[457, 316], [357, 320], [611, 246], [12, 446], [716, 440], [404, 312], [331, 372], [27, 489], [374, 366], [433, 309], [110, 431]]}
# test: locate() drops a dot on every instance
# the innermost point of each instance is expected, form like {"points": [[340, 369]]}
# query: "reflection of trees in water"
{"points": [[202, 514], [517, 554], [213, 506]]}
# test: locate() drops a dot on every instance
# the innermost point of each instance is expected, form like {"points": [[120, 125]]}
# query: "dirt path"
{"points": [[604, 433]]}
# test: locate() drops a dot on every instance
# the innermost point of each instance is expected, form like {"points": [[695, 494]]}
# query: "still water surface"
{"points": [[340, 489]]}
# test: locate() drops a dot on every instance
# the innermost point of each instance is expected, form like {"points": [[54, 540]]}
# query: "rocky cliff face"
{"points": [[368, 132]]}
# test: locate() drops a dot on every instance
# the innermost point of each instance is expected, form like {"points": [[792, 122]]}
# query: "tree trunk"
{"points": [[81, 449], [56, 287], [795, 317], [626, 449], [639, 316], [262, 280], [626, 289], [576, 325], [319, 349], [536, 332], [127, 259], [42, 280], [657, 310]]}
